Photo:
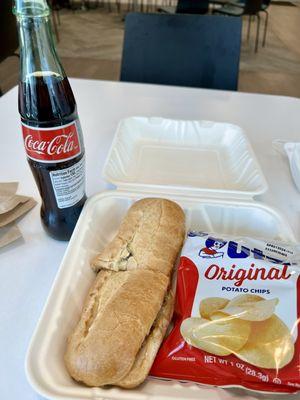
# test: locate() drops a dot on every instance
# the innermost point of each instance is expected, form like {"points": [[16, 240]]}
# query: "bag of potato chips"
{"points": [[236, 316]]}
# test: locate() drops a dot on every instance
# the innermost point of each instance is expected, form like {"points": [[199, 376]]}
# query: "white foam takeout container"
{"points": [[211, 171]]}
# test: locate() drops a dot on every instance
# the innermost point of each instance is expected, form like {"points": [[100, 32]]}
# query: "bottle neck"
{"points": [[38, 56]]}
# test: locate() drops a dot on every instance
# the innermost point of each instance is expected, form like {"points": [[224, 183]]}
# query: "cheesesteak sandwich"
{"points": [[149, 237], [130, 304]]}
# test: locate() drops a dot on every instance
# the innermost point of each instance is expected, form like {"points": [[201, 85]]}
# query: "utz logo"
{"points": [[233, 250], [212, 248], [51, 144]]}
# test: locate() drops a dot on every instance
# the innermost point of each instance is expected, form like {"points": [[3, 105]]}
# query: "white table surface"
{"points": [[27, 268]]}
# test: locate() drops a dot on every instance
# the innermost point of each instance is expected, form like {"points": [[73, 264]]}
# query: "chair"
{"points": [[264, 6], [8, 30], [192, 7], [187, 7], [55, 19], [183, 50], [250, 7]]}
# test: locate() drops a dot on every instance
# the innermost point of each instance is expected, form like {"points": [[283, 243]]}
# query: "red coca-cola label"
{"points": [[52, 144]]}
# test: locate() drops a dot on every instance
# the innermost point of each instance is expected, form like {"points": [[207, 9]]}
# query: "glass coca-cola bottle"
{"points": [[51, 129]]}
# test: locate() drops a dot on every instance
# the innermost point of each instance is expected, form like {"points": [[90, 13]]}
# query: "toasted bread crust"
{"points": [[148, 351], [130, 304], [150, 237], [120, 310]]}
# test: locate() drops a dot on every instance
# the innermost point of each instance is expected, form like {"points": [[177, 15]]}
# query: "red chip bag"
{"points": [[236, 316]]}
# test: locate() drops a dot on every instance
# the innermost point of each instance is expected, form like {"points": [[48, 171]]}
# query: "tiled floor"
{"points": [[90, 46]]}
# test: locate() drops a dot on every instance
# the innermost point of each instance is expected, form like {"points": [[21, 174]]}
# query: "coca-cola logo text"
{"points": [[57, 144], [239, 275]]}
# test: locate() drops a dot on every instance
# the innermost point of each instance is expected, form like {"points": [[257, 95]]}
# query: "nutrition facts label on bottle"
{"points": [[69, 184]]}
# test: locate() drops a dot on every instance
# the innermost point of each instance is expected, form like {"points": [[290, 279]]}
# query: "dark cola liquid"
{"points": [[48, 101]]}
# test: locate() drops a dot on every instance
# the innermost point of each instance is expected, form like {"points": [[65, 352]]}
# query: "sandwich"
{"points": [[130, 304]]}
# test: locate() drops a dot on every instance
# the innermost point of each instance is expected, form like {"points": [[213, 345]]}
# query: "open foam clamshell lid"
{"points": [[158, 155]]}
